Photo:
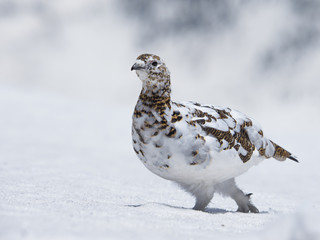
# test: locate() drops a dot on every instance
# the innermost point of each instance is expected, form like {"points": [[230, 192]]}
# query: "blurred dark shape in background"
{"points": [[83, 48], [159, 20], [162, 19], [303, 37]]}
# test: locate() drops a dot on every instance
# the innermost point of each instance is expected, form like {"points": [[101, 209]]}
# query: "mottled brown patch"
{"points": [[157, 145], [220, 135], [137, 114], [196, 104], [262, 151], [163, 124], [156, 57], [280, 153], [142, 153], [147, 124], [234, 141], [155, 134], [243, 139], [195, 153], [200, 121], [192, 123], [247, 124], [176, 117], [201, 114], [137, 152], [180, 105], [223, 113], [162, 69], [200, 137], [141, 139], [155, 102], [237, 147], [149, 113], [145, 57], [172, 132]]}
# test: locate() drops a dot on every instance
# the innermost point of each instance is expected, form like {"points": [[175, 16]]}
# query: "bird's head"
{"points": [[152, 71]]}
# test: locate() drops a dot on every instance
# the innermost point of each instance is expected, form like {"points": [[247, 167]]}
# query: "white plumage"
{"points": [[200, 147]]}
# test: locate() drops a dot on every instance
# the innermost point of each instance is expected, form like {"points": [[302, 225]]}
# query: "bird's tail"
{"points": [[281, 154]]}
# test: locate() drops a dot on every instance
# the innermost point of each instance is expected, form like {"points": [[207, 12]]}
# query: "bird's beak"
{"points": [[139, 65]]}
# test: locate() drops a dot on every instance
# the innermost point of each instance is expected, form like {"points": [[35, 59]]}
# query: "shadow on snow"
{"points": [[207, 210]]}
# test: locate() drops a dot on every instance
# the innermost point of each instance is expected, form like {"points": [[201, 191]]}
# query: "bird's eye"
{"points": [[154, 63]]}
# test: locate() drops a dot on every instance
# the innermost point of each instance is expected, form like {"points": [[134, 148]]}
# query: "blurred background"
{"points": [[67, 95], [238, 53]]}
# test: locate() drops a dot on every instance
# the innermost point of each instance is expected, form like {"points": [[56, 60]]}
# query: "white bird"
{"points": [[200, 147]]}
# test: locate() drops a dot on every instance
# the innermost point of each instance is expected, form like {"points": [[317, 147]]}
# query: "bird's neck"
{"points": [[156, 97]]}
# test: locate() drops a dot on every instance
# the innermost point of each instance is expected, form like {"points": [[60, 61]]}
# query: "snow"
{"points": [[68, 171]]}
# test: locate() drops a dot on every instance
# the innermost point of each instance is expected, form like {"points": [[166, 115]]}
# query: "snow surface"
{"points": [[68, 171]]}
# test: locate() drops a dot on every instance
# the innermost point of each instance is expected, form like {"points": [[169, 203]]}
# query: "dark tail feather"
{"points": [[293, 158]]}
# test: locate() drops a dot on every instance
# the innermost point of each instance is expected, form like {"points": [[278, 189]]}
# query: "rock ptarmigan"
{"points": [[200, 147]]}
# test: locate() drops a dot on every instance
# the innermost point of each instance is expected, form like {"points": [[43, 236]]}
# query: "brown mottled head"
{"points": [[151, 70]]}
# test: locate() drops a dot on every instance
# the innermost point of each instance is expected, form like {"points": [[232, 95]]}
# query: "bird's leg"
{"points": [[202, 192], [244, 203], [229, 188], [202, 200]]}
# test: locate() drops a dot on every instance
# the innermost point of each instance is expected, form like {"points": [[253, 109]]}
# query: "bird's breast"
{"points": [[168, 144]]}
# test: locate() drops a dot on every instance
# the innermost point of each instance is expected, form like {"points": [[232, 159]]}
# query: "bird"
{"points": [[201, 147]]}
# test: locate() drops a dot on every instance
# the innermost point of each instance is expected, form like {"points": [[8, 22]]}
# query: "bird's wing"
{"points": [[234, 130]]}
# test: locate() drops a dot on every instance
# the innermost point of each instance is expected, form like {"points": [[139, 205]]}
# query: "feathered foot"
{"points": [[229, 188], [245, 205]]}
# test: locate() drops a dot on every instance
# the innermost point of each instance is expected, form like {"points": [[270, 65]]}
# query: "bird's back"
{"points": [[233, 130]]}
